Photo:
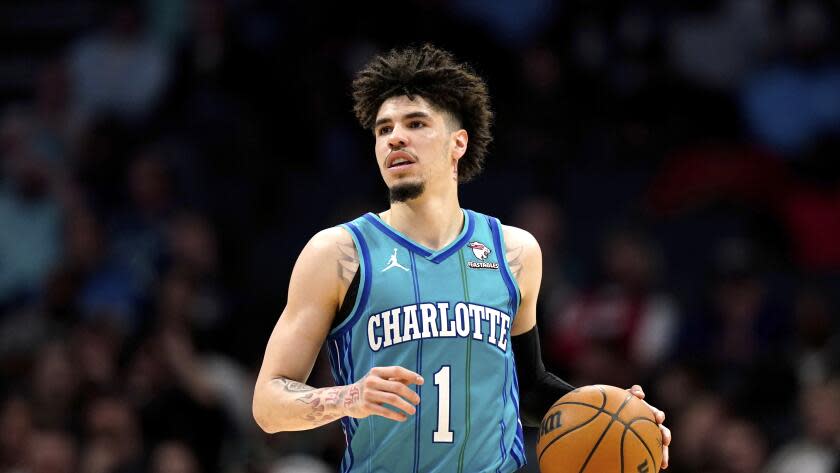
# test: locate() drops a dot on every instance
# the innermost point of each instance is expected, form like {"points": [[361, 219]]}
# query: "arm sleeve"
{"points": [[538, 389]]}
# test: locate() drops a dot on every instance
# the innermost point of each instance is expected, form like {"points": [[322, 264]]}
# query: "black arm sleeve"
{"points": [[538, 389]]}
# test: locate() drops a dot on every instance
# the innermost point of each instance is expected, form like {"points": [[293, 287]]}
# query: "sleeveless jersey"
{"points": [[446, 315]]}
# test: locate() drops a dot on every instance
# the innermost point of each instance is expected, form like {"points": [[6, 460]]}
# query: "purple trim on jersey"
{"points": [[364, 266], [457, 245], [396, 236], [513, 291], [433, 256]]}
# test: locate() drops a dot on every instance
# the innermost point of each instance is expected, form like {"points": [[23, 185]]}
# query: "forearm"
{"points": [[538, 389], [281, 404]]}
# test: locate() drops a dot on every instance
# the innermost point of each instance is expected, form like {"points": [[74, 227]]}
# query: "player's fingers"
{"points": [[396, 388], [376, 409], [666, 435], [398, 373], [637, 391], [658, 416], [392, 399], [666, 439]]}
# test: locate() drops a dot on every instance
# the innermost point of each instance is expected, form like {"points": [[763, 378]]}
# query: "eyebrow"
{"points": [[407, 116]]}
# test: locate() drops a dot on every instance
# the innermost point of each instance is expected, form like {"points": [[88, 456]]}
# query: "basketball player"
{"points": [[424, 307]]}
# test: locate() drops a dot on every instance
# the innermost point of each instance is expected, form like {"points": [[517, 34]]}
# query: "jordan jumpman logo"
{"points": [[392, 263]]}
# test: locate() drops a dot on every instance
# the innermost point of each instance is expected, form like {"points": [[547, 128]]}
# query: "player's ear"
{"points": [[459, 143]]}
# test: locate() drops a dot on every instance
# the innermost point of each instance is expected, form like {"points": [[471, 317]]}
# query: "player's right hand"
{"points": [[383, 385]]}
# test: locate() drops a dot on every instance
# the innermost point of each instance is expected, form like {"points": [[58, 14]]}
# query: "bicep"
{"points": [[525, 256]]}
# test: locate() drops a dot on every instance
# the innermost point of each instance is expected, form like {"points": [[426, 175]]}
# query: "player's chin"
{"points": [[406, 190]]}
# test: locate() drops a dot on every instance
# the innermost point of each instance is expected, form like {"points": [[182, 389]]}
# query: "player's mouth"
{"points": [[399, 160]]}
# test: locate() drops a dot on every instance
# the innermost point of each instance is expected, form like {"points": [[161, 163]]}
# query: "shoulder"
{"points": [[524, 258], [333, 246], [328, 238], [516, 237], [327, 245]]}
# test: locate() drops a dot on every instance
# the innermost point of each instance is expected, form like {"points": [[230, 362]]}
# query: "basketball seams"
{"points": [[600, 411], [578, 403], [641, 440], [627, 426], [574, 429], [603, 401], [604, 433]]}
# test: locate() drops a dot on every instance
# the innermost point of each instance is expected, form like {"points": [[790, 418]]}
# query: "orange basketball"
{"points": [[599, 429]]}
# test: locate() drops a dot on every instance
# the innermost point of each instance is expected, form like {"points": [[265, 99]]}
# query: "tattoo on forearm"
{"points": [[316, 408], [293, 386], [323, 404], [514, 259], [348, 262], [352, 396]]}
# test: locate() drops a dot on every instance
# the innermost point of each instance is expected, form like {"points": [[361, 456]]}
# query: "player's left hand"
{"points": [[637, 391]]}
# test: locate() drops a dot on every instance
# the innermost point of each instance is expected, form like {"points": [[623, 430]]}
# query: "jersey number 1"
{"points": [[442, 434]]}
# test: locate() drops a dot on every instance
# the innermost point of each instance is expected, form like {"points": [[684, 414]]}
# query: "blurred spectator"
{"points": [[54, 387], [810, 211], [740, 447], [708, 175], [16, 430], [193, 249], [30, 218], [718, 47], [817, 450], [173, 457], [119, 71], [510, 21], [817, 349], [625, 317], [113, 439], [791, 102], [544, 219], [46, 126], [740, 324], [138, 241], [96, 348], [51, 451], [174, 398], [698, 425]]}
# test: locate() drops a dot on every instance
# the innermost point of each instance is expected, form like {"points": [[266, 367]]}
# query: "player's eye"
{"points": [[384, 130], [416, 124]]}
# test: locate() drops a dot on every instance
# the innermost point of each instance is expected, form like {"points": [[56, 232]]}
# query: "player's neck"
{"points": [[432, 221]]}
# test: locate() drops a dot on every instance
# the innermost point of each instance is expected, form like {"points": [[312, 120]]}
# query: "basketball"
{"points": [[599, 429]]}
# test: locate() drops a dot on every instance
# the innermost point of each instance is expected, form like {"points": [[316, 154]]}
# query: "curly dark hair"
{"points": [[447, 85]]}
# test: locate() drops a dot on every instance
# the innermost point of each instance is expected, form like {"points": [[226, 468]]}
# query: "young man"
{"points": [[423, 306]]}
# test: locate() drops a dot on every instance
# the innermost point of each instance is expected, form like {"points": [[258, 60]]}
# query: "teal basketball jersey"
{"points": [[447, 315]]}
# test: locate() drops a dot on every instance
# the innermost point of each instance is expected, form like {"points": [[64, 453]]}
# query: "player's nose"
{"points": [[398, 138]]}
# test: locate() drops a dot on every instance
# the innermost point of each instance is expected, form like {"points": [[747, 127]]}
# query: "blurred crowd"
{"points": [[162, 163]]}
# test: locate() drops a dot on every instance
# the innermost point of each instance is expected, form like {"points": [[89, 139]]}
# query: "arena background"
{"points": [[164, 161]]}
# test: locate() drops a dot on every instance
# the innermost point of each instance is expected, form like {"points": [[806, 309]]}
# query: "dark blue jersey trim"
{"points": [[365, 283], [507, 276], [433, 256], [458, 244], [396, 236]]}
